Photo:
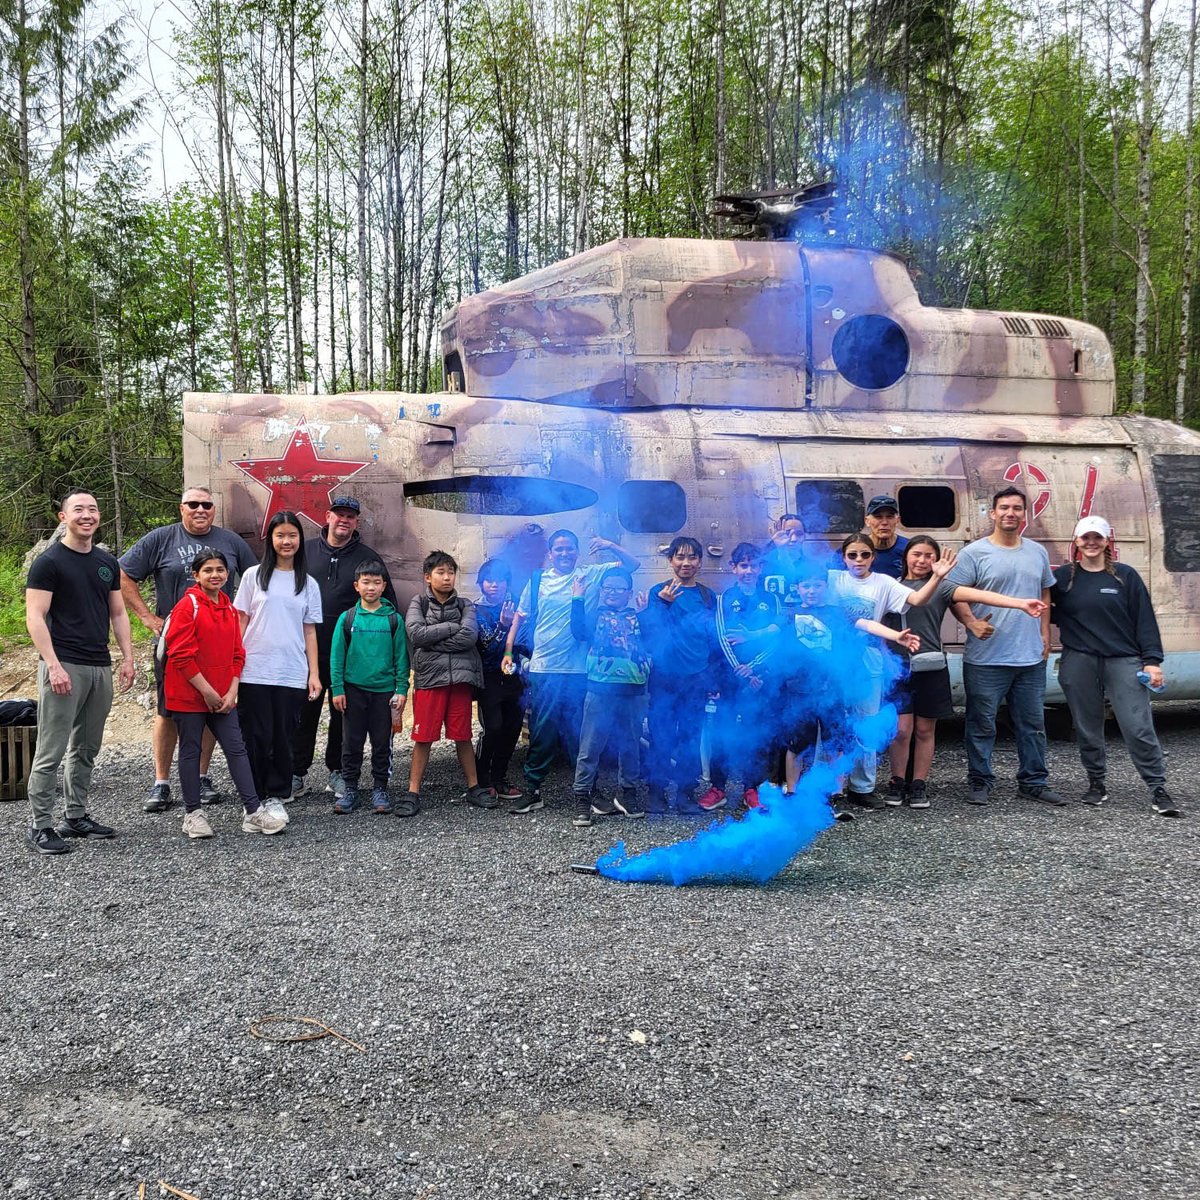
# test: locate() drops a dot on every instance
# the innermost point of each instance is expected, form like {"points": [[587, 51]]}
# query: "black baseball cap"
{"points": [[878, 502], [345, 502]]}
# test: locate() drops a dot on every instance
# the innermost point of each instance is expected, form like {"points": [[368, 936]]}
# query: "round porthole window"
{"points": [[871, 351]]}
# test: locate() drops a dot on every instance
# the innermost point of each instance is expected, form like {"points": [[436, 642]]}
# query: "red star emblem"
{"points": [[301, 480]]}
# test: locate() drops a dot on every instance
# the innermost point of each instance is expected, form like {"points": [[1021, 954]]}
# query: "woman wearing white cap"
{"points": [[1109, 633]]}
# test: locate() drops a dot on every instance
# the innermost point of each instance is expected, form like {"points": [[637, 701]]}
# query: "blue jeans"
{"points": [[1023, 689]]}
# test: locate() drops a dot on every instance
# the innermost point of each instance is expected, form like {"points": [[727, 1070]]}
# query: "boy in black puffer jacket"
{"points": [[442, 631]]}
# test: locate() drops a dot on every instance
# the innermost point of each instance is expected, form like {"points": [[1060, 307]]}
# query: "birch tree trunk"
{"points": [[1189, 194]]}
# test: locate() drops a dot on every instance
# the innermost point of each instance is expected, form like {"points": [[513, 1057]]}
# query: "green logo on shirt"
{"points": [[105, 573]]}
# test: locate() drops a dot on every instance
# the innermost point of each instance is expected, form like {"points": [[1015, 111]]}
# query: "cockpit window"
{"points": [[498, 495], [1177, 479], [927, 506], [830, 507], [651, 506]]}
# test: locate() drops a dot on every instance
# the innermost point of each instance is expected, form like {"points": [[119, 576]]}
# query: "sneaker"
{"points": [[46, 841], [531, 801], [629, 807], [336, 784], [977, 793], [605, 808], [1043, 795], [685, 806], [917, 795], [299, 785], [871, 800], [262, 820], [84, 827], [158, 799], [506, 791], [895, 793], [583, 812], [1164, 805], [1096, 792], [274, 808], [195, 825], [208, 793], [656, 805], [750, 798], [713, 798], [409, 805], [381, 802], [347, 802], [482, 797]]}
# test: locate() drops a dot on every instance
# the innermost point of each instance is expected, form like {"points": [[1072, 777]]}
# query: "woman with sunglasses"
{"points": [[1111, 647]]}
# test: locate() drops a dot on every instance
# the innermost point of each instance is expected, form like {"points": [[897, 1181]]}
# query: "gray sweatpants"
{"points": [[69, 731], [1086, 679]]}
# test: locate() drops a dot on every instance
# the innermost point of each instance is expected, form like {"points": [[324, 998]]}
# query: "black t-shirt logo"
{"points": [[105, 573]]}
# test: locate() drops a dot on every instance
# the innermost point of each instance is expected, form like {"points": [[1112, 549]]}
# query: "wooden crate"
{"points": [[17, 743]]}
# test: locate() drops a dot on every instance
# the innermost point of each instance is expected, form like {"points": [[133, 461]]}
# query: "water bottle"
{"points": [[1144, 680]]}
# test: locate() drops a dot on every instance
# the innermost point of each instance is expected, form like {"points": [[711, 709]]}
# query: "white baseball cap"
{"points": [[1093, 525]]}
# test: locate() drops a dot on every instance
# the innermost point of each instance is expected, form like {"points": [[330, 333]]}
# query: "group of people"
{"points": [[797, 657]]}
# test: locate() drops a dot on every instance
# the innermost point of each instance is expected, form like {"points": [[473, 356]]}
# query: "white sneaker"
{"points": [[195, 825], [262, 821], [275, 807]]}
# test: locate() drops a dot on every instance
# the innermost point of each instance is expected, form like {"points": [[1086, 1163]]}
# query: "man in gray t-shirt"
{"points": [[166, 554], [1005, 655]]}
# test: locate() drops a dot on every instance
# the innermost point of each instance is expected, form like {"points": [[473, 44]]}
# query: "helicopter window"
{"points": [[927, 506], [830, 507], [651, 506], [871, 351], [498, 495], [1177, 479]]}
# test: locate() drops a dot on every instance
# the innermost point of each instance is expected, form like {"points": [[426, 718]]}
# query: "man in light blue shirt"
{"points": [[1005, 656]]}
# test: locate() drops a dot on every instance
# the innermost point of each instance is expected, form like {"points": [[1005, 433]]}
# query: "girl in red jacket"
{"points": [[205, 657]]}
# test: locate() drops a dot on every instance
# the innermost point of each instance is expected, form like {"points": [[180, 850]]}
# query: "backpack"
{"points": [[348, 622], [160, 651]]}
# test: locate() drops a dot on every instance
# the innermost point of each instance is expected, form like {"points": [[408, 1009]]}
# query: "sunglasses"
{"points": [[195, 504], [857, 554]]}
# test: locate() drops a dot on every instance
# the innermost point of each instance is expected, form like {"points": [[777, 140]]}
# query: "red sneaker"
{"points": [[713, 798], [750, 799]]}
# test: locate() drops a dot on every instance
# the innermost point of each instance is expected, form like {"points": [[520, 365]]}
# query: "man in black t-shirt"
{"points": [[72, 596], [166, 554]]}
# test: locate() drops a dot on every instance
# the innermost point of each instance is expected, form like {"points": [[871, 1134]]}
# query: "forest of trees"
{"points": [[357, 167]]}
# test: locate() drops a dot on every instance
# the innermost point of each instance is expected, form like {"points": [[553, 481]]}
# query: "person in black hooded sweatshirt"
{"points": [[331, 560]]}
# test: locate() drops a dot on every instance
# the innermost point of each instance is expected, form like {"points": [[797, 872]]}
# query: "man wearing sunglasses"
{"points": [[166, 554]]}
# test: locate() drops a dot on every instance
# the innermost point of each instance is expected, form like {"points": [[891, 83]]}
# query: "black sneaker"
{"points": [[656, 804], [895, 793], [158, 800], [977, 794], [583, 812], [1096, 792], [531, 801], [918, 797], [208, 793], [871, 800], [604, 808], [1164, 805], [506, 791], [84, 827], [1043, 795], [46, 841], [482, 797], [629, 807], [836, 804], [409, 805]]}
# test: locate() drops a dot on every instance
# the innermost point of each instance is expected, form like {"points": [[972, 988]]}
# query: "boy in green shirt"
{"points": [[368, 670]]}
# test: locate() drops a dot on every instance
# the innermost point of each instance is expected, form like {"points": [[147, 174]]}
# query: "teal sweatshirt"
{"points": [[376, 660]]}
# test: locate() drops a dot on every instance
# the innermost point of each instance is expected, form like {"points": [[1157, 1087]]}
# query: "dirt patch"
{"points": [[131, 721]]}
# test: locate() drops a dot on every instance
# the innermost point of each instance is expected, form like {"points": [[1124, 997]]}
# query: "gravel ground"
{"points": [[957, 1004]]}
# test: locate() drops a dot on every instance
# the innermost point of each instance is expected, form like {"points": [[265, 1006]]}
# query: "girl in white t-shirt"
{"points": [[280, 609]]}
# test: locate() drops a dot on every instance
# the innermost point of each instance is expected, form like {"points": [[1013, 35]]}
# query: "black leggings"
{"points": [[228, 732]]}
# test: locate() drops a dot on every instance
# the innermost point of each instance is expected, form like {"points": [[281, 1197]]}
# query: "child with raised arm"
{"points": [[368, 671], [617, 669], [443, 633]]}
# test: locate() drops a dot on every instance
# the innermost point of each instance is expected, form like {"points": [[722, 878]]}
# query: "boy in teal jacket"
{"points": [[368, 671]]}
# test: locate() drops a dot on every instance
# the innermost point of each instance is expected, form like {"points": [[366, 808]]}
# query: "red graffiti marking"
{"points": [[1039, 488], [1089, 490]]}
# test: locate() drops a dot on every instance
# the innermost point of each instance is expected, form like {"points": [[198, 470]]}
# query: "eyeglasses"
{"points": [[614, 591], [857, 554], [195, 504]]}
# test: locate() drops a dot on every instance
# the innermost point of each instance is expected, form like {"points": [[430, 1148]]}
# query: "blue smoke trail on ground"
{"points": [[752, 850]]}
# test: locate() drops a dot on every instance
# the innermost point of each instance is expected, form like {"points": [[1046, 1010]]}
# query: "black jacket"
{"points": [[333, 569]]}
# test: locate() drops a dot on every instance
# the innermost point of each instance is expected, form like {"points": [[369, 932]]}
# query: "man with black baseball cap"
{"points": [[331, 559], [882, 514]]}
